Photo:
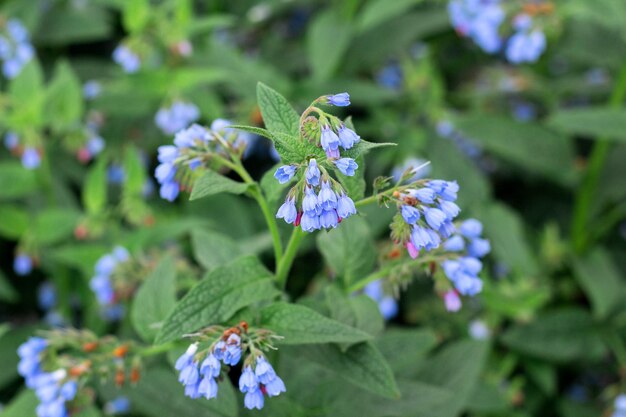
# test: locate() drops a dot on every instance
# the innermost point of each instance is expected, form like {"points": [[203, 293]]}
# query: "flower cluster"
{"points": [[22, 264], [324, 202], [102, 283], [619, 406], [15, 48], [481, 20], [127, 59], [92, 147], [29, 155], [199, 370], [387, 304], [54, 389], [194, 147], [176, 117], [463, 271]]}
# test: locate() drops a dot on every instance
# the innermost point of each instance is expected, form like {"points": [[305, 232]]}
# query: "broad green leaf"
{"points": [[328, 39], [135, 173], [136, 14], [159, 394], [65, 24], [601, 281], [456, 368], [508, 240], [292, 149], [14, 221], [595, 122], [155, 299], [220, 294], [358, 311], [378, 11], [406, 349], [27, 96], [54, 225], [300, 325], [254, 130], [95, 188], [559, 336], [526, 145], [211, 183], [488, 399], [16, 181], [23, 405], [349, 250], [362, 364], [64, 98], [278, 115], [212, 249]]}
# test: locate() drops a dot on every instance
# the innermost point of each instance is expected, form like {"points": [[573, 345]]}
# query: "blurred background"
{"points": [[521, 102]]}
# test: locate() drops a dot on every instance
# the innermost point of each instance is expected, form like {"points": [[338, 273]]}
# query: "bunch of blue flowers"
{"points": [[482, 20], [200, 369], [103, 284], [176, 117], [127, 59], [15, 48], [29, 155]]}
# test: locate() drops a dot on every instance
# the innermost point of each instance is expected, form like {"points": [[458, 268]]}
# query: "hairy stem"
{"points": [[283, 267]]}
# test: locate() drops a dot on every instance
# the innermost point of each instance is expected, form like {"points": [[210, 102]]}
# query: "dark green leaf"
{"points": [[278, 115], [597, 123], [54, 225], [14, 221], [219, 295], [212, 249], [211, 183], [327, 40], [8, 294], [379, 11], [15, 181], [155, 299]]}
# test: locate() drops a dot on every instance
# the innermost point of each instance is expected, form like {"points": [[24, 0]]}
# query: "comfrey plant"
{"points": [[15, 48], [497, 25]]}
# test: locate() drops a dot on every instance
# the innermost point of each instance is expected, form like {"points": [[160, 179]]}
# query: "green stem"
{"points": [[158, 349], [283, 267], [373, 198], [256, 193], [383, 272], [586, 193]]}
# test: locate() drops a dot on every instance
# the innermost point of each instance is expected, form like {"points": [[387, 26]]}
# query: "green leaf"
{"points": [[14, 221], [456, 368], [358, 311], [159, 394], [379, 11], [594, 122], [559, 336], [66, 24], [211, 183], [135, 173], [349, 250], [23, 405], [8, 294], [406, 349], [82, 256], [155, 299], [216, 298], [300, 325], [362, 365], [15, 181], [278, 115], [292, 149], [54, 225], [64, 98], [328, 39], [254, 130], [136, 15], [212, 249], [27, 97], [529, 146], [95, 188], [363, 147], [601, 280]]}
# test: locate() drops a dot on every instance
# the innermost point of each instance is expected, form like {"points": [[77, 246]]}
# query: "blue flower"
{"points": [[347, 166], [248, 380], [312, 173], [17, 31], [169, 190], [121, 254], [454, 244], [328, 219], [327, 198], [119, 405], [463, 274], [478, 247], [285, 173], [46, 296], [210, 366], [208, 387], [447, 190], [479, 20], [95, 144], [127, 59], [30, 352], [340, 100], [167, 153], [347, 137], [91, 89], [310, 203], [165, 172], [189, 375], [387, 305], [31, 158], [176, 117], [424, 195], [329, 141], [309, 222], [345, 206], [450, 209], [525, 46], [410, 214], [390, 76], [254, 399], [288, 210], [471, 228], [11, 140], [22, 264], [434, 217], [232, 353], [115, 174]]}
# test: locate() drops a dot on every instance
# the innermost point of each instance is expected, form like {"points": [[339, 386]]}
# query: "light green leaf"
{"points": [[27, 97], [328, 39], [23, 405], [594, 122], [212, 249], [54, 225], [216, 298], [64, 98], [349, 250], [278, 115], [362, 365], [211, 183], [135, 173], [95, 188], [136, 15], [14, 221], [601, 280], [155, 299], [16, 181], [301, 325], [529, 146], [254, 130], [358, 311], [560, 336], [292, 149]]}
